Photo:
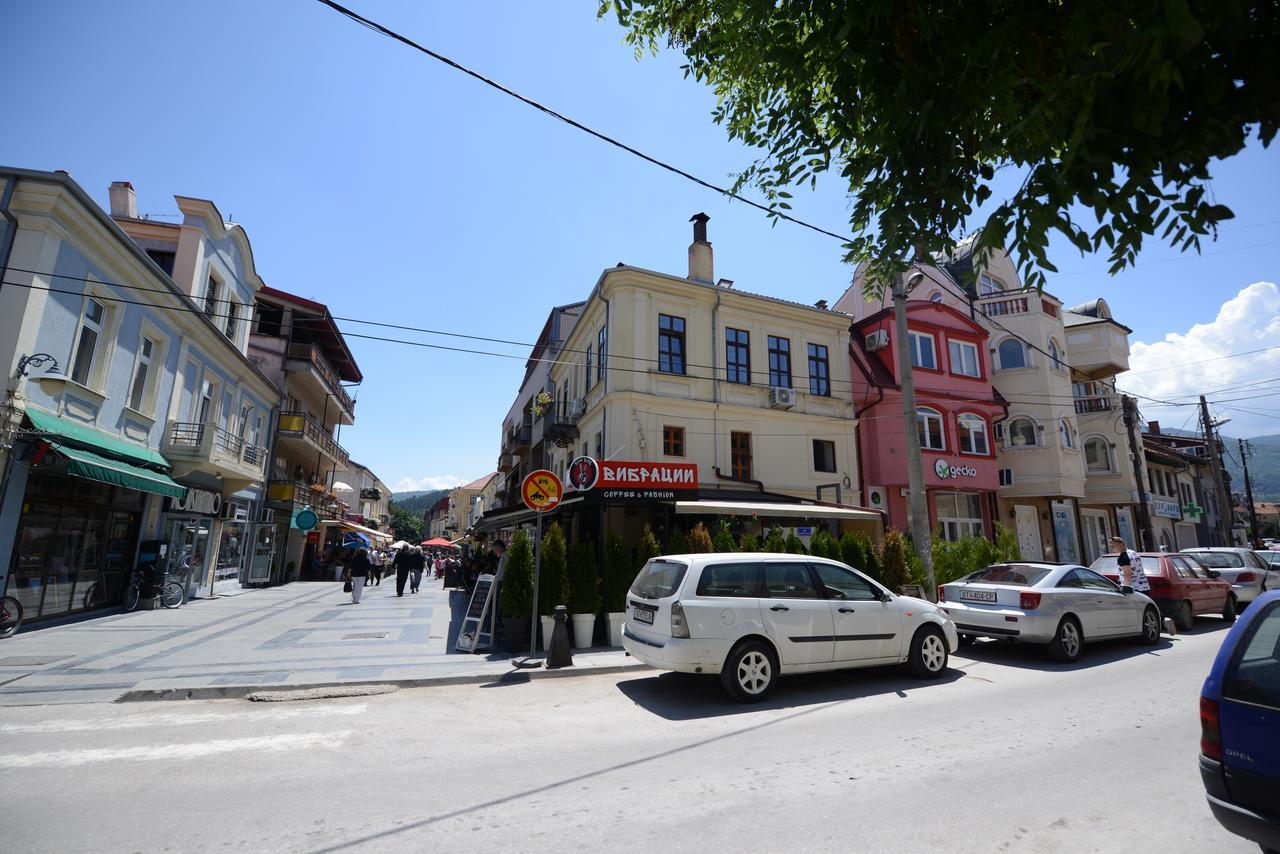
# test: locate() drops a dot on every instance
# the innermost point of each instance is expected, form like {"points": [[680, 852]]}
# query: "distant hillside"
{"points": [[416, 503], [1264, 467]]}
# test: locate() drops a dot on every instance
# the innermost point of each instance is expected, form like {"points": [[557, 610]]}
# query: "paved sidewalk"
{"points": [[298, 635]]}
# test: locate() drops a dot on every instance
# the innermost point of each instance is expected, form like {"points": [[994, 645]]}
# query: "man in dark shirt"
{"points": [[402, 564]]}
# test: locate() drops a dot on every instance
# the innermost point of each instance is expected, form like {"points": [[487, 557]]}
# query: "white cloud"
{"points": [[431, 481], [1176, 368]]}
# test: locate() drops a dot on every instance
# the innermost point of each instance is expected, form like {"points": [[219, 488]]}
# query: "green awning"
{"points": [[67, 432], [89, 465]]}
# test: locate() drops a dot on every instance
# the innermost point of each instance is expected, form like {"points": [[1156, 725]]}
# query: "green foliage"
{"points": [[700, 540], [584, 582], [773, 541], [853, 552], [1006, 544], [875, 565], [417, 503], [649, 548], [552, 580], [822, 544], [404, 525], [793, 545], [915, 566], [749, 543], [677, 544], [723, 541], [618, 572], [1115, 110], [894, 570], [516, 593]]}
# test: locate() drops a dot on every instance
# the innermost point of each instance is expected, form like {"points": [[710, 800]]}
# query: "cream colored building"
{"points": [[462, 508]]}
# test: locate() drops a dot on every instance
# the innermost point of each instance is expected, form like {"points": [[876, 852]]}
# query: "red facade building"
{"points": [[957, 413]]}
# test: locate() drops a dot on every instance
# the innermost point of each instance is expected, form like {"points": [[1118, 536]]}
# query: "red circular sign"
{"points": [[541, 491]]}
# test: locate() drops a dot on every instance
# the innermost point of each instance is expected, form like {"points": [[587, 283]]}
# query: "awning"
{"points": [[352, 526], [67, 432], [765, 508], [93, 467], [495, 519]]}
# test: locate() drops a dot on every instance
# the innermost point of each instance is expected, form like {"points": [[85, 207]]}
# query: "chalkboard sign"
{"points": [[474, 635]]}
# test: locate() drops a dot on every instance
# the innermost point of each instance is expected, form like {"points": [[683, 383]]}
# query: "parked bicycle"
{"points": [[10, 616], [148, 583]]}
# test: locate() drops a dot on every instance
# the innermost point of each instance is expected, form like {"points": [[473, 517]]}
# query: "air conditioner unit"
{"points": [[877, 340], [782, 398]]}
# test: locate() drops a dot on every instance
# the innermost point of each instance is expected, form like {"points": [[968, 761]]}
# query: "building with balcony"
{"points": [[298, 345], [465, 505], [130, 407], [367, 501]]}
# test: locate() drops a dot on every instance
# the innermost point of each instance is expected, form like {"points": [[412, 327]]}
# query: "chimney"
{"points": [[124, 202], [701, 265], [822, 304], [1153, 427]]}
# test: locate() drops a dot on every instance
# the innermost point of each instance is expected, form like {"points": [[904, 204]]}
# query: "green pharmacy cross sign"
{"points": [[1192, 509]]}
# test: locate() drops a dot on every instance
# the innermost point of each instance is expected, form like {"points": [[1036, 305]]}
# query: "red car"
{"points": [[1180, 586]]}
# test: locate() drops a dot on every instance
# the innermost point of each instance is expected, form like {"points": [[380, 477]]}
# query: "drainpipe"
{"points": [[608, 340], [715, 383]]}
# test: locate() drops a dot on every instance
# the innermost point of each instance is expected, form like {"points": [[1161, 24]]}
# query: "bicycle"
{"points": [[10, 616], [170, 593]]}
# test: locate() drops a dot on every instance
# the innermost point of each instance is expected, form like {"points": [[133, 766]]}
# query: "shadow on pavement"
{"points": [[1030, 656], [515, 677], [685, 696]]}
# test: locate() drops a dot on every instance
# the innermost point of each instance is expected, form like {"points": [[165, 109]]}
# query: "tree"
{"points": [[648, 550], [773, 541], [700, 540], [853, 552], [552, 587], [618, 572], [584, 582], [894, 571], [1117, 108], [677, 544], [793, 545], [723, 541], [517, 579], [404, 525]]}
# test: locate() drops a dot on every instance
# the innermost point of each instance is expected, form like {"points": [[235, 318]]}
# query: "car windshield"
{"points": [[1217, 560], [658, 579], [1014, 575], [1271, 558], [1106, 563]]}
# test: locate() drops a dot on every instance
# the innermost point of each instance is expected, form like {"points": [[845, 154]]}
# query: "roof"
{"points": [[734, 290], [480, 482], [328, 335]]}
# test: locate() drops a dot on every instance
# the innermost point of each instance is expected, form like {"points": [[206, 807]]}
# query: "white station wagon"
{"points": [[751, 617]]}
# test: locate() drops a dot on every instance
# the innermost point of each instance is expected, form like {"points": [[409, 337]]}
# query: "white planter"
{"points": [[616, 619], [584, 626], [548, 625]]}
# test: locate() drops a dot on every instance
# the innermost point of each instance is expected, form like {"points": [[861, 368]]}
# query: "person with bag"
{"points": [[357, 571], [415, 571]]}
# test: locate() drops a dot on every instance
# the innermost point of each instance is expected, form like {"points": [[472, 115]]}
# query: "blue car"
{"points": [[1240, 726]]}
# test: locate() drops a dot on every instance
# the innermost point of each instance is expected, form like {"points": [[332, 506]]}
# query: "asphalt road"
{"points": [[1008, 753]]}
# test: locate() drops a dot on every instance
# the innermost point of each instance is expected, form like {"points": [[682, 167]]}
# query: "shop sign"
{"points": [[1192, 511], [305, 520], [661, 476], [1164, 508], [583, 474], [313, 538], [200, 501], [944, 470]]}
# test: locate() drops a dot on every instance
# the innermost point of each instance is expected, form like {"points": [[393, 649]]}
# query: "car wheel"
{"points": [[1150, 626], [928, 656], [750, 672], [968, 640], [1182, 617], [1229, 609], [1067, 641]]}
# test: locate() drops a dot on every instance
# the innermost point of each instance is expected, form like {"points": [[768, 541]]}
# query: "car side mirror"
{"points": [[1126, 590], [1213, 573]]}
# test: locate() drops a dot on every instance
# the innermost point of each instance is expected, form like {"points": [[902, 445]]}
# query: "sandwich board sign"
{"points": [[474, 634]]}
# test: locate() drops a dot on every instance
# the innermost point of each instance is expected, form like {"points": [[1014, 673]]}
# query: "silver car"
{"points": [[1059, 605], [1248, 573]]}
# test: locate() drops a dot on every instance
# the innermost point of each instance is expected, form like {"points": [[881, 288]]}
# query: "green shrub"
{"points": [[552, 582], [584, 582], [516, 592], [700, 540], [723, 541], [793, 545], [854, 552], [618, 572], [875, 565], [1007, 544], [749, 543], [773, 542], [649, 548], [678, 544], [894, 569]]}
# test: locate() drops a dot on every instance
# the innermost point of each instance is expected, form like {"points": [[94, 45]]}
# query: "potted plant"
{"points": [[516, 593], [584, 593], [551, 583], [617, 579]]}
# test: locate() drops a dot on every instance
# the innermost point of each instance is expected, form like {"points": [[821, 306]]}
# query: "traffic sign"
{"points": [[541, 491], [306, 519]]}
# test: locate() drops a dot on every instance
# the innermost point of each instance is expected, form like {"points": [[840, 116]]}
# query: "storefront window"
{"points": [[959, 514], [231, 551]]}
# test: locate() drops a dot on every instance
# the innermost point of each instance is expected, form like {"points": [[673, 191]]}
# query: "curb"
{"points": [[239, 692]]}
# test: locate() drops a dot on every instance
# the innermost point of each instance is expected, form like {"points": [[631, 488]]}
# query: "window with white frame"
{"points": [[141, 374], [973, 434], [929, 425], [1055, 355], [229, 322], [1011, 354], [1022, 433], [959, 515], [1064, 428], [964, 358], [590, 378], [1097, 455], [211, 298], [988, 285], [603, 348], [922, 350], [92, 322]]}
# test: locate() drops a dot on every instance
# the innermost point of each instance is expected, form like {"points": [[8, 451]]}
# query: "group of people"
{"points": [[365, 567]]}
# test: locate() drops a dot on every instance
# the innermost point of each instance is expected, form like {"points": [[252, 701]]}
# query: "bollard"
{"points": [[558, 655]]}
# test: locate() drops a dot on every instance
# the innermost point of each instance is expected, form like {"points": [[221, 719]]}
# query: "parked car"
{"points": [[1271, 557], [1059, 605], [1180, 586], [1239, 719], [753, 617], [1242, 567]]}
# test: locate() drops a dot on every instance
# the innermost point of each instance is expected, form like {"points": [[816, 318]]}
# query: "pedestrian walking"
{"points": [[415, 571], [376, 562], [357, 572], [402, 564], [1131, 573]]}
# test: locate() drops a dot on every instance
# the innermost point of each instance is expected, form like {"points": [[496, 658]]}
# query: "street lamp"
{"points": [[49, 380]]}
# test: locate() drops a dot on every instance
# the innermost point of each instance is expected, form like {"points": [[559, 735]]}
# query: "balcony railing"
{"points": [[1085, 405], [1011, 303], [312, 354], [193, 439], [300, 423], [561, 421]]}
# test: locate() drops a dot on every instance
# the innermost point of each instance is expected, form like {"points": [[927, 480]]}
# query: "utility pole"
{"points": [[1215, 464], [915, 476], [1129, 410], [1245, 451]]}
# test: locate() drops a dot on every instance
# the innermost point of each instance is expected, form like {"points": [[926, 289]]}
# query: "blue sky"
{"points": [[393, 188]]}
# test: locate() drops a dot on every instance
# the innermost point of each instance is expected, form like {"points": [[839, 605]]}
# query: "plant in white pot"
{"points": [[584, 593], [551, 580]]}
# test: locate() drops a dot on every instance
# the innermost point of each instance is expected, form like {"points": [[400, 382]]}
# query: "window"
{"points": [[163, 259], [789, 581], [599, 444], [246, 418], [95, 315], [964, 358], [141, 372], [740, 455], [737, 355], [602, 341], [988, 285], [779, 362], [670, 344], [1022, 433], [1064, 427], [922, 353], [1253, 675], [1168, 484], [973, 434], [819, 371], [929, 425], [730, 579], [211, 297], [840, 583], [270, 319], [230, 328], [1055, 355], [1097, 456], [1006, 477], [959, 515], [824, 455], [1151, 480], [673, 441], [589, 378], [1011, 354]]}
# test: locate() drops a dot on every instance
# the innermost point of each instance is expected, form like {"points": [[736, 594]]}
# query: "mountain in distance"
{"points": [[416, 502], [1264, 465]]}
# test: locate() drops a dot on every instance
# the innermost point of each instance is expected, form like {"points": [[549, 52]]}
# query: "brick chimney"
{"points": [[1153, 427], [701, 263], [124, 202]]}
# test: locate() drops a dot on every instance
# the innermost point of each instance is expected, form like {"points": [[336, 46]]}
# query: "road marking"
{"points": [[175, 752], [182, 719]]}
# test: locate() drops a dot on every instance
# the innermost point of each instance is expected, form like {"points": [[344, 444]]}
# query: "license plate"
{"points": [[643, 616], [978, 595]]}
